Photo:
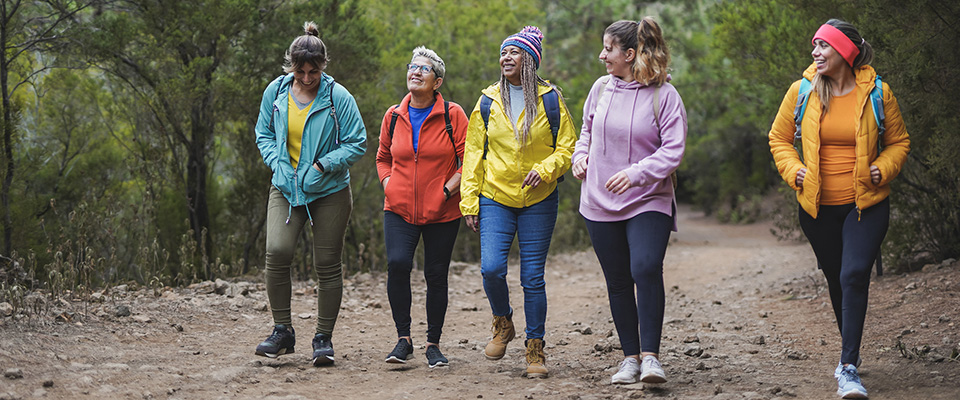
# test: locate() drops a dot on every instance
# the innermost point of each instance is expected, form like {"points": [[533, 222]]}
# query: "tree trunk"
{"points": [[7, 149]]}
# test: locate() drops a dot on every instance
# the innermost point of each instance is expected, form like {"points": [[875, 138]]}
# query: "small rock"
{"points": [[474, 308], [6, 309], [220, 286], [122, 311], [463, 341], [142, 319], [717, 302], [304, 315], [924, 325], [177, 327], [911, 286], [701, 366], [48, 383], [796, 355], [693, 351], [691, 339], [823, 342], [759, 340], [120, 288], [13, 373], [261, 306], [906, 331], [764, 314], [943, 318]]}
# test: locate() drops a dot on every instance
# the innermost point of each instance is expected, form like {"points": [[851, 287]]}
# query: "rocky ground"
{"points": [[747, 318]]}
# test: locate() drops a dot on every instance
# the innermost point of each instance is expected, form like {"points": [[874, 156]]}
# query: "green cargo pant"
{"points": [[330, 216]]}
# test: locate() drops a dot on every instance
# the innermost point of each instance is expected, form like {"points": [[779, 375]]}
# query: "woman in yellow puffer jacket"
{"points": [[843, 179]]}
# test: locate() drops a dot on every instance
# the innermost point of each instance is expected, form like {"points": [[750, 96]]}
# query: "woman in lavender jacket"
{"points": [[634, 127]]}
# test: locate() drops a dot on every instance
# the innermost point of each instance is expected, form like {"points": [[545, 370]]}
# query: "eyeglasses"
{"points": [[425, 69]]}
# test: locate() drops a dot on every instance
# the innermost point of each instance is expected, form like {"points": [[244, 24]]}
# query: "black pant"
{"points": [[631, 255], [846, 244], [400, 238]]}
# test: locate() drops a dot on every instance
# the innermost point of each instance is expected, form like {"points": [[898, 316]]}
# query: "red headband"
{"points": [[837, 40]]}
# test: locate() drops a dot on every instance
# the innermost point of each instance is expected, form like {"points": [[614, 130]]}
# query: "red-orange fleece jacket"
{"points": [[415, 189]]}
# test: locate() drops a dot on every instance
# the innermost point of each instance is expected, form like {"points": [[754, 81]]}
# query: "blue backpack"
{"points": [[876, 102], [551, 106]]}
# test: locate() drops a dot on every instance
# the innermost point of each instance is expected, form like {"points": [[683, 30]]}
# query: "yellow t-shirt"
{"points": [[838, 146], [296, 119]]}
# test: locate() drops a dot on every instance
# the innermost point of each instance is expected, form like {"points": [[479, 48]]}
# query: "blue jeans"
{"points": [[631, 255], [533, 228]]}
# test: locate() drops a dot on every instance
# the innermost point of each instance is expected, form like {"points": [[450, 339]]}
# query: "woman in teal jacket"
{"points": [[309, 133]]}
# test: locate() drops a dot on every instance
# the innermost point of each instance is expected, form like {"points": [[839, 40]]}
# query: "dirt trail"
{"points": [[747, 317]]}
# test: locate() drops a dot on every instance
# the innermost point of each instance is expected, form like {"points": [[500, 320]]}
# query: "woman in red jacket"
{"points": [[421, 149]]}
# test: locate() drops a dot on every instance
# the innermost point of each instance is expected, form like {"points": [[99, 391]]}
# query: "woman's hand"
{"points": [[875, 176], [384, 183], [473, 222], [618, 183], [800, 174], [533, 179], [580, 168]]}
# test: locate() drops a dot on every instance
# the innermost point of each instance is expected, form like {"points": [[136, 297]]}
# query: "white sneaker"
{"points": [[652, 371], [629, 369]]}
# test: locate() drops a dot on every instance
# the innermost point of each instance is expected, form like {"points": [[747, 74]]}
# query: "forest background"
{"points": [[128, 150]]}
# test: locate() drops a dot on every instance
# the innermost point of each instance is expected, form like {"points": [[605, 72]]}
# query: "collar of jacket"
{"points": [[865, 76], [404, 111], [493, 91], [322, 100]]}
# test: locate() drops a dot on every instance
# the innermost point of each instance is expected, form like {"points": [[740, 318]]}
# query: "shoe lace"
{"points": [[277, 335], [850, 375], [433, 352], [535, 353]]}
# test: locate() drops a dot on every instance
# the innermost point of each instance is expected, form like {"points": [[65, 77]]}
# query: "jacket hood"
{"points": [[865, 75], [323, 92], [621, 84]]}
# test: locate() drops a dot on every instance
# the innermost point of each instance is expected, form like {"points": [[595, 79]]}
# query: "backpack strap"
{"points": [[336, 123], [393, 121], [449, 129], [802, 98], [485, 103], [656, 119], [876, 101], [551, 106]]}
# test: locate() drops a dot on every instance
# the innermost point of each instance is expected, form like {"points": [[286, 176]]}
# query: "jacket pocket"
{"points": [[283, 183]]}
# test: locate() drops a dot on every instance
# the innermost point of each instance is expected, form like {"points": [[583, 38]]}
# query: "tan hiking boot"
{"points": [[536, 360], [503, 333]]}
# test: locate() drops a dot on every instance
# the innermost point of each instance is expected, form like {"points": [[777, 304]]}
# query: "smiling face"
{"points": [[829, 61], [420, 82], [617, 61], [511, 58], [308, 76]]}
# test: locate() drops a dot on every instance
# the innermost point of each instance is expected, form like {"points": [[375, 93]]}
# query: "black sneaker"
{"points": [[435, 358], [322, 350], [401, 353], [281, 341]]}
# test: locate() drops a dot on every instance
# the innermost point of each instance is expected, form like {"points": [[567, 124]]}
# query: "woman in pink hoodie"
{"points": [[632, 140]]}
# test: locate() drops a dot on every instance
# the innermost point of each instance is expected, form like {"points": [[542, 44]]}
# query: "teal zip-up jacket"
{"points": [[336, 149]]}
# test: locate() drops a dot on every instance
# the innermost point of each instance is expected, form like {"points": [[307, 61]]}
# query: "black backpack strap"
{"points": [[393, 121], [449, 128], [485, 103], [551, 106]]}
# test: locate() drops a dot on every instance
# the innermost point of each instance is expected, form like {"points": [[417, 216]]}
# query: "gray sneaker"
{"points": [[628, 373], [652, 371]]}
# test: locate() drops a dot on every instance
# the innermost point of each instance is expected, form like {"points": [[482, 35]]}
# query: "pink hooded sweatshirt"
{"points": [[620, 134]]}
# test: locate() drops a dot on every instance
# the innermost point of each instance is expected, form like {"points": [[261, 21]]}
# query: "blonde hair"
{"points": [[651, 64]]}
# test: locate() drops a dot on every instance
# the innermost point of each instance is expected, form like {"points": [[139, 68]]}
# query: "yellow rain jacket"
{"points": [[500, 175], [896, 143]]}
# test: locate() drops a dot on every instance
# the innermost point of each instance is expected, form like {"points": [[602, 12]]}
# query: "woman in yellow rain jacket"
{"points": [[511, 165]]}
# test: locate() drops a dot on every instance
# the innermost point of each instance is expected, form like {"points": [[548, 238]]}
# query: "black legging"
{"points": [[400, 238], [846, 244], [631, 255]]}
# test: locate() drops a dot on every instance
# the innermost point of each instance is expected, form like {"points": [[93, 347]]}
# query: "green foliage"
{"points": [[107, 156], [918, 56]]}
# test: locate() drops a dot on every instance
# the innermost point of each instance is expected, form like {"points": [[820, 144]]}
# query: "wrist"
{"points": [[319, 166], [446, 193]]}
